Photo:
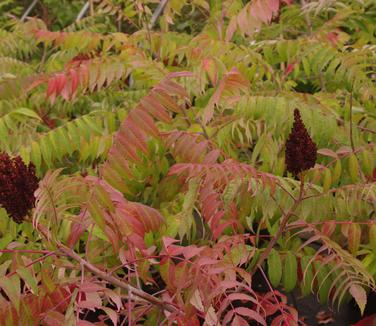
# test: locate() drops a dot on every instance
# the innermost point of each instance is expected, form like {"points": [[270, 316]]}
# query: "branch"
{"points": [[115, 281], [158, 11], [111, 279], [83, 11], [27, 12], [205, 133], [307, 18], [33, 262], [282, 227]]}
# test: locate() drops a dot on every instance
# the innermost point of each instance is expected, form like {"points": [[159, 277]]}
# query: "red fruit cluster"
{"points": [[301, 151], [17, 185]]}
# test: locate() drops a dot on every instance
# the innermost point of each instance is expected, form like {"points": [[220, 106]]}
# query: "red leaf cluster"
{"points": [[47, 307], [17, 185]]}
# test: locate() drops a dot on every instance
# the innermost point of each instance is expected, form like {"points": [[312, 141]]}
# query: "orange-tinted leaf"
{"points": [[360, 296], [328, 228], [253, 315], [354, 234], [327, 152]]}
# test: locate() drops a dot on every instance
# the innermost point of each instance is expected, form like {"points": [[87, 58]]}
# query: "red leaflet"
{"points": [[253, 315], [273, 5], [212, 156], [253, 15], [74, 81], [232, 83], [327, 152], [289, 69], [155, 108], [168, 241], [328, 228], [180, 74], [149, 217], [211, 69], [143, 121], [262, 11], [333, 38], [239, 321], [77, 229], [220, 228]]}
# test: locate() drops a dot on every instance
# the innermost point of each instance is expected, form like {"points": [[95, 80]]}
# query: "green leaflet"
{"points": [[290, 272], [337, 171], [82, 134], [11, 286], [4, 220], [254, 260], [231, 191], [306, 283], [353, 167], [372, 238], [354, 235], [274, 268], [96, 214], [327, 181], [324, 282], [29, 279], [5, 240], [367, 165]]}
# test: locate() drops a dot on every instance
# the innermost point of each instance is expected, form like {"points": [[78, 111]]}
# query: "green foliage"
{"points": [[160, 144]]}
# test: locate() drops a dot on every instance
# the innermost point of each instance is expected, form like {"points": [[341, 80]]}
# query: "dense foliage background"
{"points": [[157, 131]]}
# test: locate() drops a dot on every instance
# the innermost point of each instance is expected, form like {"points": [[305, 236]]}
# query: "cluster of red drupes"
{"points": [[18, 183], [301, 151]]}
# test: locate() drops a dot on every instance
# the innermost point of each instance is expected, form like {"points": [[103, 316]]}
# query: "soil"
{"points": [[316, 314]]}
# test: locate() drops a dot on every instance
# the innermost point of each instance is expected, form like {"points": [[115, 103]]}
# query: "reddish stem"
{"points": [[25, 251], [33, 262], [282, 227]]}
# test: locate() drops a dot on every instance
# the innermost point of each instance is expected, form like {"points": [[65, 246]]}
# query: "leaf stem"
{"points": [[203, 128], [351, 121], [115, 281], [282, 226], [170, 307], [33, 262], [158, 11], [12, 251]]}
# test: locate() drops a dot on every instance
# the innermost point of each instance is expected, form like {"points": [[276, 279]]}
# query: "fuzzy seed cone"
{"points": [[17, 185], [301, 151]]}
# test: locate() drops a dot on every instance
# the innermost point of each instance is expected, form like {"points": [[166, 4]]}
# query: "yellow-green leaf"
{"points": [[327, 181], [11, 287], [29, 279], [372, 237], [324, 282], [274, 268], [353, 167], [306, 284], [337, 171], [354, 234], [367, 163], [290, 272], [360, 296]]}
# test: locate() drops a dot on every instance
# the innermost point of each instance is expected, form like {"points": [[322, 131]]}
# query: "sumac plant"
{"points": [[161, 159]]}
